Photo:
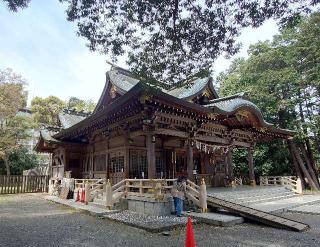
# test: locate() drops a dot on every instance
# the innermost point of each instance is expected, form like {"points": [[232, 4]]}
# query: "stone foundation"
{"points": [[150, 206]]}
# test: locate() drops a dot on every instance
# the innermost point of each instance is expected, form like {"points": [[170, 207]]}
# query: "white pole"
{"points": [[203, 196]]}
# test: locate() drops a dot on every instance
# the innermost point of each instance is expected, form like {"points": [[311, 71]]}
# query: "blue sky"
{"points": [[42, 45]]}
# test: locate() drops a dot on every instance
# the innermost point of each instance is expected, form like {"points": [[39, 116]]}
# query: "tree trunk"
{"points": [[297, 168], [311, 169], [297, 156], [317, 142], [6, 163], [305, 131]]}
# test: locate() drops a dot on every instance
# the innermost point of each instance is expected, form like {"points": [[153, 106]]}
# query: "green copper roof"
{"points": [[68, 120], [124, 81], [231, 104], [46, 136]]}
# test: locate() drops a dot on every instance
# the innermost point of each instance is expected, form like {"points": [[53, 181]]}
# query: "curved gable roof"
{"points": [[124, 80], [232, 104]]}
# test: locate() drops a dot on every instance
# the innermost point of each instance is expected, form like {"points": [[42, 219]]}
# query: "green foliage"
{"points": [[12, 93], [14, 130], [80, 105], [282, 78], [19, 160], [269, 159], [46, 110], [172, 39], [169, 40], [15, 5]]}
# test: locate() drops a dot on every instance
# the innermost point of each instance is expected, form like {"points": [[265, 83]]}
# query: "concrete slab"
{"points": [[307, 209], [285, 204], [96, 211], [216, 219], [149, 223]]}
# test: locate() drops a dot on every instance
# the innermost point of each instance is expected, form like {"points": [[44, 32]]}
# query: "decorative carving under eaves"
{"points": [[242, 115], [206, 93], [113, 92]]}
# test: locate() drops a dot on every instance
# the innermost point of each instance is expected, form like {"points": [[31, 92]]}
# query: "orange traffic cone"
{"points": [[82, 196], [189, 235], [78, 196]]}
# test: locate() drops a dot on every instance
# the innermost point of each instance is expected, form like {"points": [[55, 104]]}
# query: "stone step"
{"points": [[215, 218]]}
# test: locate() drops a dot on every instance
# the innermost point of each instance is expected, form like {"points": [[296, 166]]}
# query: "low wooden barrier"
{"points": [[14, 184], [157, 189], [154, 188], [290, 182]]}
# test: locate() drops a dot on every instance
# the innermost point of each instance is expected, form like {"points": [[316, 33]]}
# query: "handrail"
{"points": [[188, 187], [193, 184], [149, 188], [290, 182], [238, 181], [119, 183]]}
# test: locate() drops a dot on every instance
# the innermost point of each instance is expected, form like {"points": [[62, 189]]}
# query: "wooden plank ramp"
{"points": [[257, 215]]}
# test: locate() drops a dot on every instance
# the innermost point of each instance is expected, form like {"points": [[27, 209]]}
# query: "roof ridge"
{"points": [[238, 95]]}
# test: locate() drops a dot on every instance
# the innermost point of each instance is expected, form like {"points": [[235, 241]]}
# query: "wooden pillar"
{"points": [[151, 155], [230, 166], [126, 156], [251, 168], [190, 164]]}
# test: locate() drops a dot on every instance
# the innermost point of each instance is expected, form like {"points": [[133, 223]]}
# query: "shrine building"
{"points": [[140, 131]]}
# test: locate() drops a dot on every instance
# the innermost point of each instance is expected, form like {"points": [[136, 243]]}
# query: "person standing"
{"points": [[178, 193]]}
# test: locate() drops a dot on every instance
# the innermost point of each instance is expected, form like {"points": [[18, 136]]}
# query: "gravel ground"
{"points": [[150, 223], [29, 220]]}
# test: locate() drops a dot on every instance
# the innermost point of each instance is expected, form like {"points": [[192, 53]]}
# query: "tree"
{"points": [[46, 110], [12, 97], [80, 105], [20, 160], [12, 93], [15, 129], [171, 39], [15, 5], [281, 78]]}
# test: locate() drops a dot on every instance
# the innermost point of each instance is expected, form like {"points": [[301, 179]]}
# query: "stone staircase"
{"points": [[253, 195]]}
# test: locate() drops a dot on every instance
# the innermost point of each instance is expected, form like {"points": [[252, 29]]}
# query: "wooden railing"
{"points": [[208, 178], [79, 183], [94, 187], [238, 181], [157, 189], [197, 194], [290, 182]]}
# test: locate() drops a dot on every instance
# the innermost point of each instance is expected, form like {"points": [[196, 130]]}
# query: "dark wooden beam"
{"points": [[169, 132], [251, 167], [151, 155], [190, 165]]}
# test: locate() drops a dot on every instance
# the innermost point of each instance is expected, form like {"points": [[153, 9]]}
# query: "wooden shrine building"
{"points": [[139, 131]]}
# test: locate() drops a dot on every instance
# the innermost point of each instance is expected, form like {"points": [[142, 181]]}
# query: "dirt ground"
{"points": [[29, 220]]}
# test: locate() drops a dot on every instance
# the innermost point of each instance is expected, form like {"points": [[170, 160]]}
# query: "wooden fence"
{"points": [[23, 184]]}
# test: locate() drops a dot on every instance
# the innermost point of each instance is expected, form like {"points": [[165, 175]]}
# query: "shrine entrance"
{"points": [[116, 170], [210, 167]]}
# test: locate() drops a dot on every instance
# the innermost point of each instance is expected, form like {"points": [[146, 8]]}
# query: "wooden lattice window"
{"points": [[86, 164], [99, 162], [181, 164], [116, 161], [220, 167], [138, 164], [159, 165]]}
